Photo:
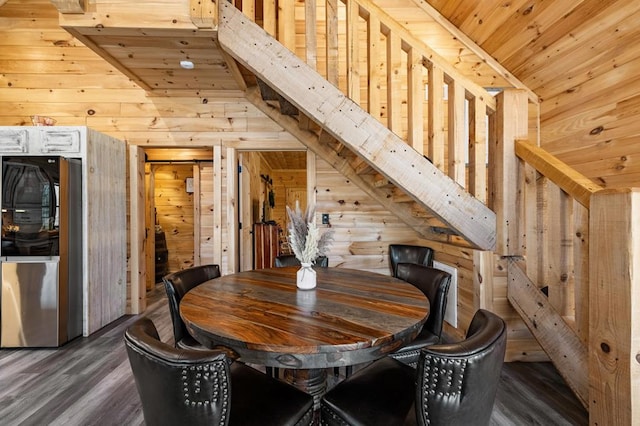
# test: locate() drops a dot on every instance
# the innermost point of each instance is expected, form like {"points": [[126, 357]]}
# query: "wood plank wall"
{"points": [[175, 212], [287, 183], [44, 70]]}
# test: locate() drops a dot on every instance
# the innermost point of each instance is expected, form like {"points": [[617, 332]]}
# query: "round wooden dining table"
{"points": [[351, 317]]}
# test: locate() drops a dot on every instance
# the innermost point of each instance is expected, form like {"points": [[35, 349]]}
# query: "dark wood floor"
{"points": [[89, 382]]}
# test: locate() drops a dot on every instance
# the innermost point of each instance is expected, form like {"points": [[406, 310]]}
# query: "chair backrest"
{"points": [[434, 283], [404, 253], [290, 260], [178, 284], [457, 382], [177, 386]]}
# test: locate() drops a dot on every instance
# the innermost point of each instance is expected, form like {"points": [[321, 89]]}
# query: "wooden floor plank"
{"points": [[89, 382]]}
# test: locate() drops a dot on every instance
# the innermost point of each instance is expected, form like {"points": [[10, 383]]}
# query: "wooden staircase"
{"points": [[390, 171], [352, 141]]}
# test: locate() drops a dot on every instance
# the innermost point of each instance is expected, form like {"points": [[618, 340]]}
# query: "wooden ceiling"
{"points": [[152, 57], [285, 160], [551, 46], [581, 58]]}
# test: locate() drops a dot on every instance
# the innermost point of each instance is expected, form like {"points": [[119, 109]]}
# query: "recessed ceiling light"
{"points": [[187, 65]]}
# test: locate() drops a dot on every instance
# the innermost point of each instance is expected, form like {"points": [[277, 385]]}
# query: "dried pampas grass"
{"points": [[304, 236]]}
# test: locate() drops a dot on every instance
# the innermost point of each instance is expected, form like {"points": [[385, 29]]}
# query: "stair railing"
{"points": [[394, 76], [549, 286], [556, 225], [543, 207]]}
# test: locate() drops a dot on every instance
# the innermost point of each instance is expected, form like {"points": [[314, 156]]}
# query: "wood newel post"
{"points": [[511, 125], [614, 312]]}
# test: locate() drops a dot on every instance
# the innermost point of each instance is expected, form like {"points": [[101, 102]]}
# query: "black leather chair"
{"points": [[434, 283], [454, 384], [177, 285], [403, 253], [197, 387], [290, 260]]}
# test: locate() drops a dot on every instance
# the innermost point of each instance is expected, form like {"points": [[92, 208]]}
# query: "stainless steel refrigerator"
{"points": [[41, 253]]}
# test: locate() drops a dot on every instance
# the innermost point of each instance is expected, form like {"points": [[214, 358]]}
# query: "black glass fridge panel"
{"points": [[30, 194]]}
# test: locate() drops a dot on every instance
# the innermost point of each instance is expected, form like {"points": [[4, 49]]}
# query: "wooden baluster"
{"points": [[415, 101], [249, 9], [269, 22], [436, 116], [558, 247], [333, 72], [456, 137], [478, 149], [310, 33], [287, 24], [394, 83], [353, 51], [373, 58]]}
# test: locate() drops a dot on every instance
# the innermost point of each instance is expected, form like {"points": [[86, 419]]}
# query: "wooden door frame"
{"points": [[311, 193], [139, 240]]}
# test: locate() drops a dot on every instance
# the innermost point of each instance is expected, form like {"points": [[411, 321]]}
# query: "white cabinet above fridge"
{"points": [[42, 140]]}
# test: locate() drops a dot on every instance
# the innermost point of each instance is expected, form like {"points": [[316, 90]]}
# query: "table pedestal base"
{"points": [[313, 382]]}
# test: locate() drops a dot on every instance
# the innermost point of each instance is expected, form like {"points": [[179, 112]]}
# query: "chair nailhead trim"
{"points": [[441, 378], [213, 379]]}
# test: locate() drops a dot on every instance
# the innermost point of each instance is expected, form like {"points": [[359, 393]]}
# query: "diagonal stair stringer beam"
{"points": [[351, 125], [342, 165], [565, 349]]}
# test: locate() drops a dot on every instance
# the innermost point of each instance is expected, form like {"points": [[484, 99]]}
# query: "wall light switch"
{"points": [[325, 218]]}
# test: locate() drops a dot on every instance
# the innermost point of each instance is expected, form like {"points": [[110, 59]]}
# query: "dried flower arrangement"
{"points": [[304, 236]]}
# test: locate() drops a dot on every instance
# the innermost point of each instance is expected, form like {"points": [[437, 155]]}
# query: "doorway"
{"points": [[268, 182], [172, 202], [218, 215]]}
